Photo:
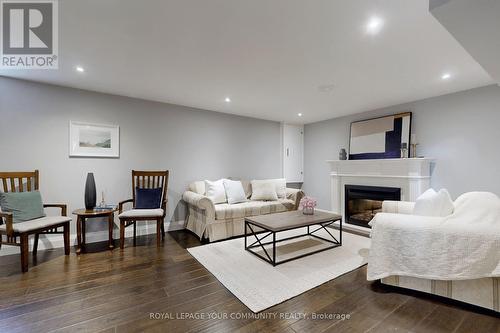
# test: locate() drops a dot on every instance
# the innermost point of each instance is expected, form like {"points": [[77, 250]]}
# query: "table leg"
{"points": [[78, 235], [84, 242], [111, 222], [274, 249], [245, 234], [340, 230]]}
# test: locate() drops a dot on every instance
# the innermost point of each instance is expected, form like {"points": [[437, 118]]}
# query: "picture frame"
{"points": [[381, 137], [94, 140]]}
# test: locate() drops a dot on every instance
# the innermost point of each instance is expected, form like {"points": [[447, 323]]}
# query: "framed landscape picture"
{"points": [[93, 140]]}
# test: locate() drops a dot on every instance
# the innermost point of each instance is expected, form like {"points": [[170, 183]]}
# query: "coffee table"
{"points": [[275, 223]]}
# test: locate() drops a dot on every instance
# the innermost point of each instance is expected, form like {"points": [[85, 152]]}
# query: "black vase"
{"points": [[90, 192]]}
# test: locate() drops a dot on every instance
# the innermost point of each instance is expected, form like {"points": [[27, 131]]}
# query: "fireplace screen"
{"points": [[363, 202]]}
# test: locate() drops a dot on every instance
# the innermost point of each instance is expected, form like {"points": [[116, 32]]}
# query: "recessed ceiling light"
{"points": [[445, 76], [326, 87], [374, 25], [80, 69], [299, 114], [227, 100]]}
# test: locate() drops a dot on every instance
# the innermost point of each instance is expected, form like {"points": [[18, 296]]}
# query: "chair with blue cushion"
{"points": [[149, 203], [22, 214]]}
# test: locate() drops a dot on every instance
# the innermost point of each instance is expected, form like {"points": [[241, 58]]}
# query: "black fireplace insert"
{"points": [[363, 202]]}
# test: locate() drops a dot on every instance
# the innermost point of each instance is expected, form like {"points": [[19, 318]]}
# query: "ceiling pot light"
{"points": [[326, 88], [80, 69], [227, 100], [445, 76], [299, 114], [374, 25]]}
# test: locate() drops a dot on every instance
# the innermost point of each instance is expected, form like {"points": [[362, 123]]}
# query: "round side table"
{"points": [[83, 215]]}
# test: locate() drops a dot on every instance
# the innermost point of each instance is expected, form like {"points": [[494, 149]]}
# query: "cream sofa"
{"points": [[220, 221], [483, 292]]}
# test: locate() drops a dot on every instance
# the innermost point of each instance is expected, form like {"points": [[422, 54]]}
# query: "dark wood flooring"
{"points": [[114, 291]]}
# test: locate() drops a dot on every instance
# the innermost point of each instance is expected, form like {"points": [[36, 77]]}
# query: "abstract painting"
{"points": [[380, 138]]}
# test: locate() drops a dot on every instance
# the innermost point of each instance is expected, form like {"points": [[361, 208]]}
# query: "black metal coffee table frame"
{"points": [[271, 258]]}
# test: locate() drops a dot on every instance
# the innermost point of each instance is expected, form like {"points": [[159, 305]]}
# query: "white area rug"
{"points": [[259, 285]]}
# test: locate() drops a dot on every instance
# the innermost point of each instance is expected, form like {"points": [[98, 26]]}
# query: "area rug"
{"points": [[259, 285]]}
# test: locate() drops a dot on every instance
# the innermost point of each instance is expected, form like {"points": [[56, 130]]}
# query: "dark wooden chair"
{"points": [[145, 179], [17, 233]]}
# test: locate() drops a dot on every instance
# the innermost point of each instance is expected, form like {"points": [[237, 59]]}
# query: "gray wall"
{"points": [[193, 144], [461, 131]]}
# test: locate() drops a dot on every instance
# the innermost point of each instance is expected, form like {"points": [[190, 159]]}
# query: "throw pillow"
{"points": [[148, 198], [279, 183], [215, 191], [264, 191], [234, 191], [432, 203], [24, 206]]}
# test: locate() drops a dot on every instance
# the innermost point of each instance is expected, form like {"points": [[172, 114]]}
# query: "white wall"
{"points": [[193, 144], [461, 131]]}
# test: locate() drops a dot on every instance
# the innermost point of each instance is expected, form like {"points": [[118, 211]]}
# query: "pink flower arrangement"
{"points": [[308, 202]]}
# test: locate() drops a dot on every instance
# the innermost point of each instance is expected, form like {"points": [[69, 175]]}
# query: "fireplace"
{"points": [[363, 202]]}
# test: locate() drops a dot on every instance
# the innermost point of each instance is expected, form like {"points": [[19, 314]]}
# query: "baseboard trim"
{"points": [[47, 242]]}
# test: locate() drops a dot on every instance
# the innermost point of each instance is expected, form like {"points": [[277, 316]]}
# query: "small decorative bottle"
{"points": [[404, 150], [103, 202]]}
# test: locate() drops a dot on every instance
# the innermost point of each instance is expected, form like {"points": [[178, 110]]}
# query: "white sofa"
{"points": [[483, 292], [220, 221]]}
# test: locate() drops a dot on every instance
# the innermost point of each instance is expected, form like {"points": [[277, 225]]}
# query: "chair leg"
{"points": [[162, 229], [135, 232], [35, 245], [158, 231], [66, 239], [24, 252], [122, 234]]}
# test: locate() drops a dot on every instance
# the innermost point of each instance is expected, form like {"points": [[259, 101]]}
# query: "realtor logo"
{"points": [[29, 34]]}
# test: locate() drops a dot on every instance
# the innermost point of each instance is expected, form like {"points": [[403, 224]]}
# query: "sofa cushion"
{"points": [[432, 203], [142, 213], [234, 191], [215, 191], [148, 198], [263, 191], [252, 208], [24, 206], [197, 187], [247, 187], [37, 223], [279, 183]]}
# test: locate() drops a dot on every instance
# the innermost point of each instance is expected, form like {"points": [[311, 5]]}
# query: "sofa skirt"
{"points": [[483, 292]]}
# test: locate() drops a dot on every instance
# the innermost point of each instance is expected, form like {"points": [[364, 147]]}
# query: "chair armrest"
{"points": [[294, 194], [121, 203], [398, 207], [64, 208], [8, 222], [200, 201]]}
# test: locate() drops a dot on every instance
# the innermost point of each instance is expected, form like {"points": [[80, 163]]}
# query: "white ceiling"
{"points": [[476, 25], [269, 57]]}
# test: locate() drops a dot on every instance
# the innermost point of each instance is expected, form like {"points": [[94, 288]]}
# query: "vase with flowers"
{"points": [[308, 204]]}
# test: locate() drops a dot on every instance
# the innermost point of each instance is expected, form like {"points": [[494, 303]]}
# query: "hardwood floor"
{"points": [[113, 291]]}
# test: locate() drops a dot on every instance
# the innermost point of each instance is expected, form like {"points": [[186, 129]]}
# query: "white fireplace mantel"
{"points": [[411, 175]]}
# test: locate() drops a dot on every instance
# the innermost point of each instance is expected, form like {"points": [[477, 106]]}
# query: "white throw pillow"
{"points": [[279, 184], [263, 191], [432, 203], [234, 191], [215, 191]]}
